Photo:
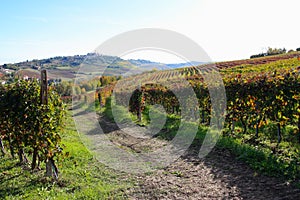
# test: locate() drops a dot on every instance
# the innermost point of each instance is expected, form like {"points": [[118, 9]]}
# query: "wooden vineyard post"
{"points": [[140, 103], [100, 98], [44, 101], [2, 146], [140, 111], [44, 85]]}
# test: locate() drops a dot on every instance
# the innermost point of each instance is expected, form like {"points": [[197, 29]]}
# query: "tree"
{"points": [[77, 90], [275, 51], [87, 86]]}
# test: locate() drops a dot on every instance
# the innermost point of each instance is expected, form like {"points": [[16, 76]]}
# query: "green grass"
{"points": [[283, 162], [81, 176], [261, 159], [258, 154]]}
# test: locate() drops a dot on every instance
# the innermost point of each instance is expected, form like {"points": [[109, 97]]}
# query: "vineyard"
{"points": [[260, 133], [263, 108], [254, 93], [30, 128]]}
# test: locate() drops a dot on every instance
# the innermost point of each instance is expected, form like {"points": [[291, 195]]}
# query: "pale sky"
{"points": [[225, 29]]}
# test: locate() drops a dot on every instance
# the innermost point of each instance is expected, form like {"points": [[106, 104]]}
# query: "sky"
{"points": [[225, 29]]}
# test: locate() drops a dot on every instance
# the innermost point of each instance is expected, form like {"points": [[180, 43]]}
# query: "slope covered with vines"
{"points": [[262, 102], [255, 93]]}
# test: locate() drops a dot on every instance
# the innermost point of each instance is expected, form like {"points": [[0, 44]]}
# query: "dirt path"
{"points": [[217, 176]]}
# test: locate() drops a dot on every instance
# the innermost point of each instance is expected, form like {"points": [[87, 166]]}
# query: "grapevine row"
{"points": [[29, 128], [253, 98]]}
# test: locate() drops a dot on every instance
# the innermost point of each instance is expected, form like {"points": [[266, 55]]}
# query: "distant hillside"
{"points": [[146, 64], [91, 65], [66, 67]]}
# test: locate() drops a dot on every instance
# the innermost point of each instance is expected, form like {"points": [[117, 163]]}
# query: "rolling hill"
{"points": [[69, 67]]}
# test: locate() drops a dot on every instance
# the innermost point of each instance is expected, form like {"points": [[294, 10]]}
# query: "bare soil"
{"points": [[217, 176]]}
